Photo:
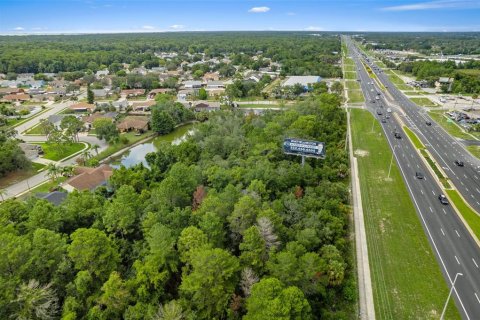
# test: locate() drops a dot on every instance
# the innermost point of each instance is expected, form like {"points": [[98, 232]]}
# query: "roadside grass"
{"points": [[424, 102], [413, 137], [414, 93], [397, 81], [350, 67], [407, 282], [474, 150], [35, 130], [52, 152], [450, 126], [355, 96], [349, 61], [472, 218], [350, 75], [435, 169], [263, 106], [352, 85]]}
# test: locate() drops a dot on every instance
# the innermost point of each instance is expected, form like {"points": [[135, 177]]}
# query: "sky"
{"points": [[113, 16]]}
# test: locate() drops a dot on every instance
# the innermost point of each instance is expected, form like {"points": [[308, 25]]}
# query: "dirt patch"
{"points": [[382, 226], [361, 153]]}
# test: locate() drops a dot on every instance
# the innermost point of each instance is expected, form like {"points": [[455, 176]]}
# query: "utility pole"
{"points": [[448, 298], [391, 161]]}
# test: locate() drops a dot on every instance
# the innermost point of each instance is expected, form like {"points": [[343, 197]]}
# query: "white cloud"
{"points": [[19, 29], [313, 28], [291, 14], [259, 9], [177, 26], [148, 27], [441, 4]]}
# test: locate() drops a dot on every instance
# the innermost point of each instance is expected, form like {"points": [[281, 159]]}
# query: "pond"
{"points": [[137, 154]]}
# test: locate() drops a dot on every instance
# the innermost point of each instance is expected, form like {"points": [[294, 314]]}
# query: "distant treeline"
{"points": [[299, 52]]}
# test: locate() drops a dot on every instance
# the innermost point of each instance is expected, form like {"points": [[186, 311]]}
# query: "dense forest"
{"points": [[426, 43], [299, 52], [221, 226]]}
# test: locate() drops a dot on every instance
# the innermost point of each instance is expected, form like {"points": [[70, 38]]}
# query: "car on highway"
{"points": [[397, 135], [459, 163], [443, 199], [379, 112], [387, 116], [384, 120], [419, 175], [428, 123], [389, 110]]}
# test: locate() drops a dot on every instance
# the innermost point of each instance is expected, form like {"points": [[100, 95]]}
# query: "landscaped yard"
{"points": [[52, 152], [424, 102], [407, 281], [36, 130]]}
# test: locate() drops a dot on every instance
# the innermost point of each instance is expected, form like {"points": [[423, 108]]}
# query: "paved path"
{"points": [[367, 309]]}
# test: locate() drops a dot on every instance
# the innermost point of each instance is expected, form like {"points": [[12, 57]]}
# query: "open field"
{"points": [[52, 152], [407, 282], [451, 127], [424, 102], [475, 150], [356, 96], [352, 85], [350, 75], [350, 67]]}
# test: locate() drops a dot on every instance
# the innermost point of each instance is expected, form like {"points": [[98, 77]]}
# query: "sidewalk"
{"points": [[366, 304]]}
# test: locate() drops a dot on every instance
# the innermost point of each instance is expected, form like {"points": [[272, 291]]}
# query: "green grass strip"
{"points": [[413, 137], [472, 218]]}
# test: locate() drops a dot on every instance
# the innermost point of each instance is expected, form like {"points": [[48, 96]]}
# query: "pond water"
{"points": [[137, 154]]}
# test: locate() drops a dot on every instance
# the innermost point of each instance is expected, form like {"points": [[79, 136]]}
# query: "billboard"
{"points": [[304, 148]]}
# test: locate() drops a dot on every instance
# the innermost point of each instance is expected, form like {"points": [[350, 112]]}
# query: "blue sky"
{"points": [[87, 16]]}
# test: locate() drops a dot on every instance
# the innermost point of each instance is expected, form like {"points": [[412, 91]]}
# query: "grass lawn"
{"points": [[413, 137], [450, 126], [51, 151], [406, 278], [424, 102], [349, 61], [350, 67], [352, 85], [350, 75], [36, 130], [468, 214], [355, 96], [475, 150], [132, 138], [264, 106], [414, 93]]}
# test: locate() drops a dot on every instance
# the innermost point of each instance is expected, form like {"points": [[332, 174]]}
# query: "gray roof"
{"points": [[54, 118], [302, 80], [55, 197]]}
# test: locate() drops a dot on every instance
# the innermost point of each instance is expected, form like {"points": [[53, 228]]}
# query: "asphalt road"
{"points": [[454, 248]]}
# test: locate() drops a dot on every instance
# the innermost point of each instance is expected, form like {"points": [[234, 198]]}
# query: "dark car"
{"points": [[397, 135], [443, 199], [384, 120], [419, 175], [459, 163], [379, 112], [428, 123]]}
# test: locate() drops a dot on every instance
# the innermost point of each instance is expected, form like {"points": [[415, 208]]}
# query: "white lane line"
{"points": [[475, 262], [433, 192], [431, 210], [458, 234], [466, 189], [457, 260], [444, 211], [475, 177], [442, 231], [421, 191], [477, 190], [477, 297]]}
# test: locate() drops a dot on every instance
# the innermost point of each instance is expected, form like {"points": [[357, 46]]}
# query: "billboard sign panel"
{"points": [[304, 148]]}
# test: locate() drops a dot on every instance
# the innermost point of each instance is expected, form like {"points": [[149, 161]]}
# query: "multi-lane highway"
{"points": [[455, 249]]}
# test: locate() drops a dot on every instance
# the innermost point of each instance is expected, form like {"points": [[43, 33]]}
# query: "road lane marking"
{"points": [[476, 265], [442, 231], [431, 210], [421, 191], [433, 192], [457, 260], [477, 297], [444, 211], [458, 234]]}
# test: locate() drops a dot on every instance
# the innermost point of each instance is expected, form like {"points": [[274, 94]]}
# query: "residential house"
{"points": [[140, 70], [445, 81], [88, 178], [16, 97], [182, 95], [100, 93], [304, 81], [56, 120], [152, 94], [192, 84], [255, 77], [133, 123], [132, 92], [88, 120], [215, 85], [101, 73], [211, 76], [120, 104], [56, 197], [7, 91], [82, 107], [206, 106], [143, 106]]}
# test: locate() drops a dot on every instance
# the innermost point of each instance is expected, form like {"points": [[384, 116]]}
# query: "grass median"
{"points": [[406, 278], [470, 216], [423, 102]]}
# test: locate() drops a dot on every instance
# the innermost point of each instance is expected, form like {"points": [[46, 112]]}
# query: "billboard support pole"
{"points": [[303, 161]]}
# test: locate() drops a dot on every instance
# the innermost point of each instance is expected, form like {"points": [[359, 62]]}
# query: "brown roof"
{"points": [[17, 97], [131, 122], [90, 178], [82, 105], [148, 103], [133, 91], [10, 90]]}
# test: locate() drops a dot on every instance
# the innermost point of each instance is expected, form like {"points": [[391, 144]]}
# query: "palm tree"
{"points": [[67, 171], [35, 301], [52, 171], [170, 311], [96, 147]]}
